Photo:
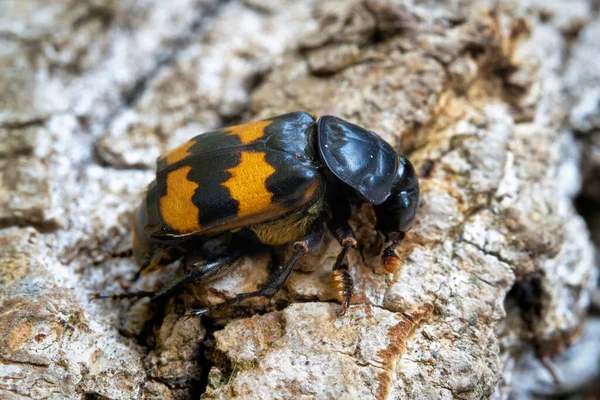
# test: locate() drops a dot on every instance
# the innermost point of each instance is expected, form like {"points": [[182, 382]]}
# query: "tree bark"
{"points": [[486, 99]]}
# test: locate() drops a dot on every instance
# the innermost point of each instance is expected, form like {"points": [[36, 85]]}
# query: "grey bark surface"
{"points": [[487, 99]]}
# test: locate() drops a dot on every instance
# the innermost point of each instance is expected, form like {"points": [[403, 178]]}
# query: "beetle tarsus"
{"points": [[342, 285], [389, 259], [341, 282]]}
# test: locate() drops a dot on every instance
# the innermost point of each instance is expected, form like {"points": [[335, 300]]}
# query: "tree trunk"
{"points": [[486, 99]]}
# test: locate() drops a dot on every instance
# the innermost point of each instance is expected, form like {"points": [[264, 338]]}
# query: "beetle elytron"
{"points": [[274, 181]]}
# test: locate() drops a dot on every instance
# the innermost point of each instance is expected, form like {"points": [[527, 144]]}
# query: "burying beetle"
{"points": [[275, 181]]}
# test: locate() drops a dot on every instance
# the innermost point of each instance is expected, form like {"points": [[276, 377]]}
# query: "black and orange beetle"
{"points": [[274, 181]]}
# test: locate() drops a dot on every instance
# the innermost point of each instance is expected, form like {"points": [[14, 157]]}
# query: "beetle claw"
{"points": [[344, 307]]}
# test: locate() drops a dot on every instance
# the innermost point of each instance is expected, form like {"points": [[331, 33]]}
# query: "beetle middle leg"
{"points": [[341, 281], [278, 277]]}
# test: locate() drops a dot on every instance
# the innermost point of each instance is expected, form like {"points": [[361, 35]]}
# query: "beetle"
{"points": [[274, 181]]}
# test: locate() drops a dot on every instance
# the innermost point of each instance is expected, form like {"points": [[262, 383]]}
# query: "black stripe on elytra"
{"points": [[213, 200]]}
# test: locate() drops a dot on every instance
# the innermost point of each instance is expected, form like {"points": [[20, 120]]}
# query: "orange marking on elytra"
{"points": [[176, 207], [178, 153], [247, 184], [249, 132]]}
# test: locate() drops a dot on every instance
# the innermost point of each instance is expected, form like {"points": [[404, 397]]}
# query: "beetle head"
{"points": [[397, 213]]}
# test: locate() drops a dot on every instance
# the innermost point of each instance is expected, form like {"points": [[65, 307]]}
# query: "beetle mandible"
{"points": [[275, 181]]}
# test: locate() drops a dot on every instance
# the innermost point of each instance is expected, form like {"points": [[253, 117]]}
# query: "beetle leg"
{"points": [[341, 282], [389, 259], [202, 272], [120, 296], [122, 254], [161, 257], [342, 285], [278, 277], [342, 231]]}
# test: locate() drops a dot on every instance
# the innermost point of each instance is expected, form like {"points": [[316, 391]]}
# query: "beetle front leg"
{"points": [[389, 259], [341, 281], [278, 277]]}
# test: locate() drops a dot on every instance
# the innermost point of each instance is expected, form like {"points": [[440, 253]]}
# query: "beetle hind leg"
{"points": [[278, 277], [201, 271], [120, 296]]}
